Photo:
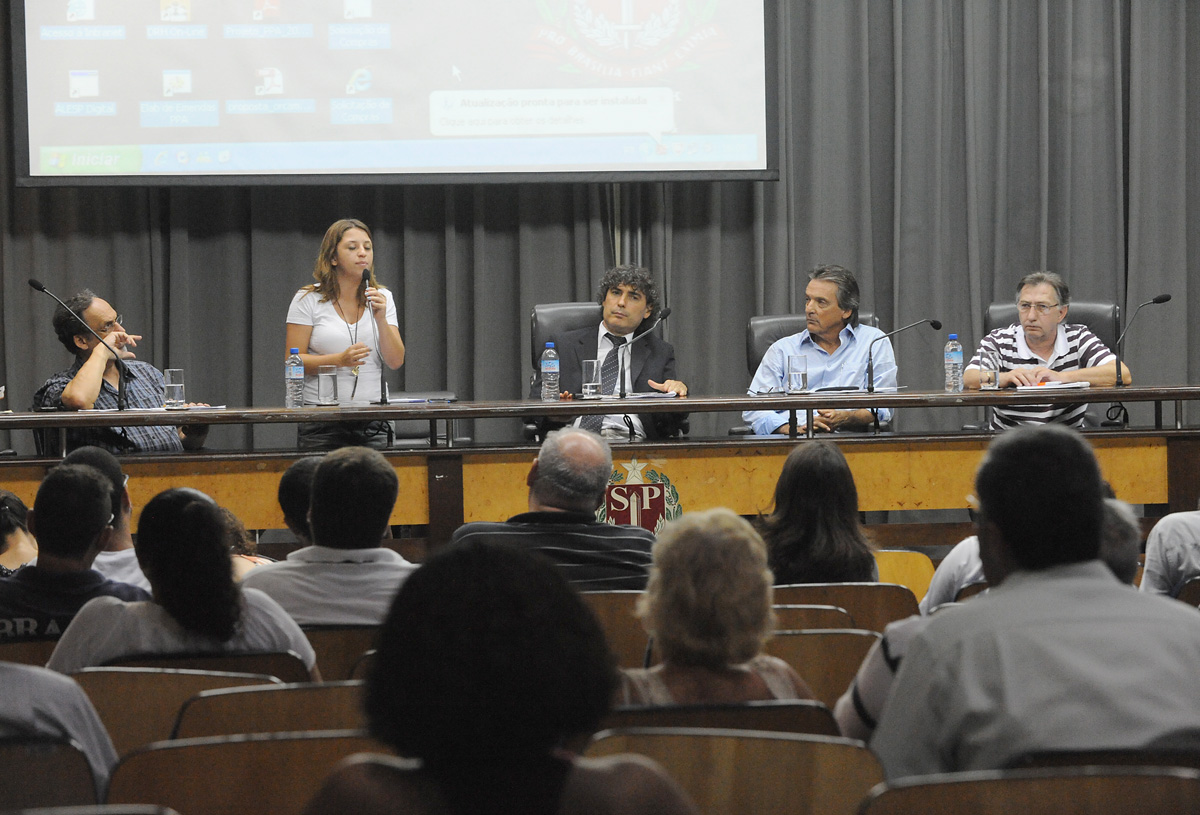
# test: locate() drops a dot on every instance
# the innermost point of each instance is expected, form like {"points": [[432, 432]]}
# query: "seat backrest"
{"points": [[267, 774], [777, 715], [872, 605], [1104, 319], [552, 319], [40, 771], [272, 709], [1131, 757], [339, 647], [159, 694], [763, 331], [1190, 593], [616, 611], [1091, 790], [745, 772], [27, 651], [912, 569], [286, 666], [826, 660], [805, 617]]}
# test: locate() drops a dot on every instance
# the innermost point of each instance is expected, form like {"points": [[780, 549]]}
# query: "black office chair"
{"points": [[552, 320], [1102, 319], [764, 331]]}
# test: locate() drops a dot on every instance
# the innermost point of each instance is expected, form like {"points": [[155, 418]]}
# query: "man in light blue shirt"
{"points": [[836, 347]]}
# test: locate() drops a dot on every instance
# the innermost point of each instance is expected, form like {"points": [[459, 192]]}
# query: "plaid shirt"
{"points": [[144, 388]]}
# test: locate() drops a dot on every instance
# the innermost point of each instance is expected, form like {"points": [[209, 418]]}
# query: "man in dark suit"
{"points": [[628, 297]]}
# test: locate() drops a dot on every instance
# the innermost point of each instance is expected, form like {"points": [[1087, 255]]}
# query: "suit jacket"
{"points": [[649, 358]]}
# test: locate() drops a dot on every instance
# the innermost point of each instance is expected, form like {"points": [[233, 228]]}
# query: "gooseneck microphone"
{"points": [[666, 312], [1160, 299], [36, 285], [383, 400], [937, 326]]}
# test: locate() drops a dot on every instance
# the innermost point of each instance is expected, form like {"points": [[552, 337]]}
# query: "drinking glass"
{"points": [[591, 378], [174, 398], [797, 373], [327, 387]]}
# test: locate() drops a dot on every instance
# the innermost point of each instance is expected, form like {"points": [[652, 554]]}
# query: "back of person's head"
{"points": [[295, 491], [1120, 540], [353, 492], [183, 545], [13, 514], [108, 465], [708, 601], [487, 657], [72, 507], [573, 468], [814, 525], [1040, 486], [69, 321]]}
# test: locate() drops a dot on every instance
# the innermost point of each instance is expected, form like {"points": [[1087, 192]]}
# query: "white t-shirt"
{"points": [[123, 567], [332, 335], [107, 628], [322, 585]]}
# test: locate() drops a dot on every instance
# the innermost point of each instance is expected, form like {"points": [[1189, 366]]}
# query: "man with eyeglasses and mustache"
{"points": [[1044, 348], [91, 382]]}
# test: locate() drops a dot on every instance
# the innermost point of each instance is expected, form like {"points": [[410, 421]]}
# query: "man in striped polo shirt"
{"points": [[1044, 348]]}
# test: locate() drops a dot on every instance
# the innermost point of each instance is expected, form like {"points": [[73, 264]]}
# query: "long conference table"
{"points": [[443, 485]]}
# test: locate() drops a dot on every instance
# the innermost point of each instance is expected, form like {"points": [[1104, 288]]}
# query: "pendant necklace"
{"points": [[353, 334]]}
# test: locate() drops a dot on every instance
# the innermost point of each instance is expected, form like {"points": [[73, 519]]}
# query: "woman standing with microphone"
{"points": [[345, 319]]}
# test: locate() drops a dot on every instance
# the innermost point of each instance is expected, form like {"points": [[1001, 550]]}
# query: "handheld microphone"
{"points": [[383, 400], [1160, 299], [666, 312], [937, 326], [37, 285]]}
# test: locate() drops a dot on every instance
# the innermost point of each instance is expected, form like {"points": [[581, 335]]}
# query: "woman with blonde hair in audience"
{"points": [[813, 534], [183, 547], [489, 668], [708, 608]]}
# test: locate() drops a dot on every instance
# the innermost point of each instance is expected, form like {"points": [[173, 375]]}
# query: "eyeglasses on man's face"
{"points": [[1041, 308]]}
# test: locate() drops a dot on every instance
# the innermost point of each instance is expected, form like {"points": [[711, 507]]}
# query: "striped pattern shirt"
{"points": [[1075, 347]]}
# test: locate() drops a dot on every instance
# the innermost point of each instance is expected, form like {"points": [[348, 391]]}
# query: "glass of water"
{"points": [[591, 378], [327, 386], [174, 398], [797, 373], [989, 373]]}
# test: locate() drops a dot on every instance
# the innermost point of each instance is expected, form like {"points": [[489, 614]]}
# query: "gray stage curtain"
{"points": [[940, 149]]}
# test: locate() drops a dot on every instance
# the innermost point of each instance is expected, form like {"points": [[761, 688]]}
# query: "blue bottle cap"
{"points": [[953, 336]]}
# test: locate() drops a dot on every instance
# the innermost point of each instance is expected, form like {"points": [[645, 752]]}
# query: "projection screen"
{"points": [[165, 92]]}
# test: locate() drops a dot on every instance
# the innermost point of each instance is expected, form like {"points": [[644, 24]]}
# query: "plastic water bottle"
{"points": [[293, 380], [954, 365], [549, 374]]}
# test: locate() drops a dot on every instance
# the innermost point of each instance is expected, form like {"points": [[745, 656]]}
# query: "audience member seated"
{"points": [[489, 666], [17, 546], [1058, 654], [859, 708], [295, 491], [183, 545], [38, 702], [346, 577], [244, 548], [813, 534], [567, 484], [117, 561], [1172, 553], [72, 519], [962, 566], [708, 608]]}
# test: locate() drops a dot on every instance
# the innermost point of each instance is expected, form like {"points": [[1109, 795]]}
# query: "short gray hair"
{"points": [[1120, 539], [568, 483], [1051, 278]]}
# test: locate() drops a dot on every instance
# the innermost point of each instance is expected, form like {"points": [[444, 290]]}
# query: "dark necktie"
{"points": [[608, 381]]}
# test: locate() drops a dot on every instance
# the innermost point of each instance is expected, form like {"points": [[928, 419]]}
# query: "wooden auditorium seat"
{"points": [[40, 771], [272, 709], [286, 666], [805, 617], [264, 774], [908, 568], [28, 651], [1077, 791], [776, 715], [616, 612], [746, 772], [339, 647], [826, 660], [872, 605], [140, 705]]}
